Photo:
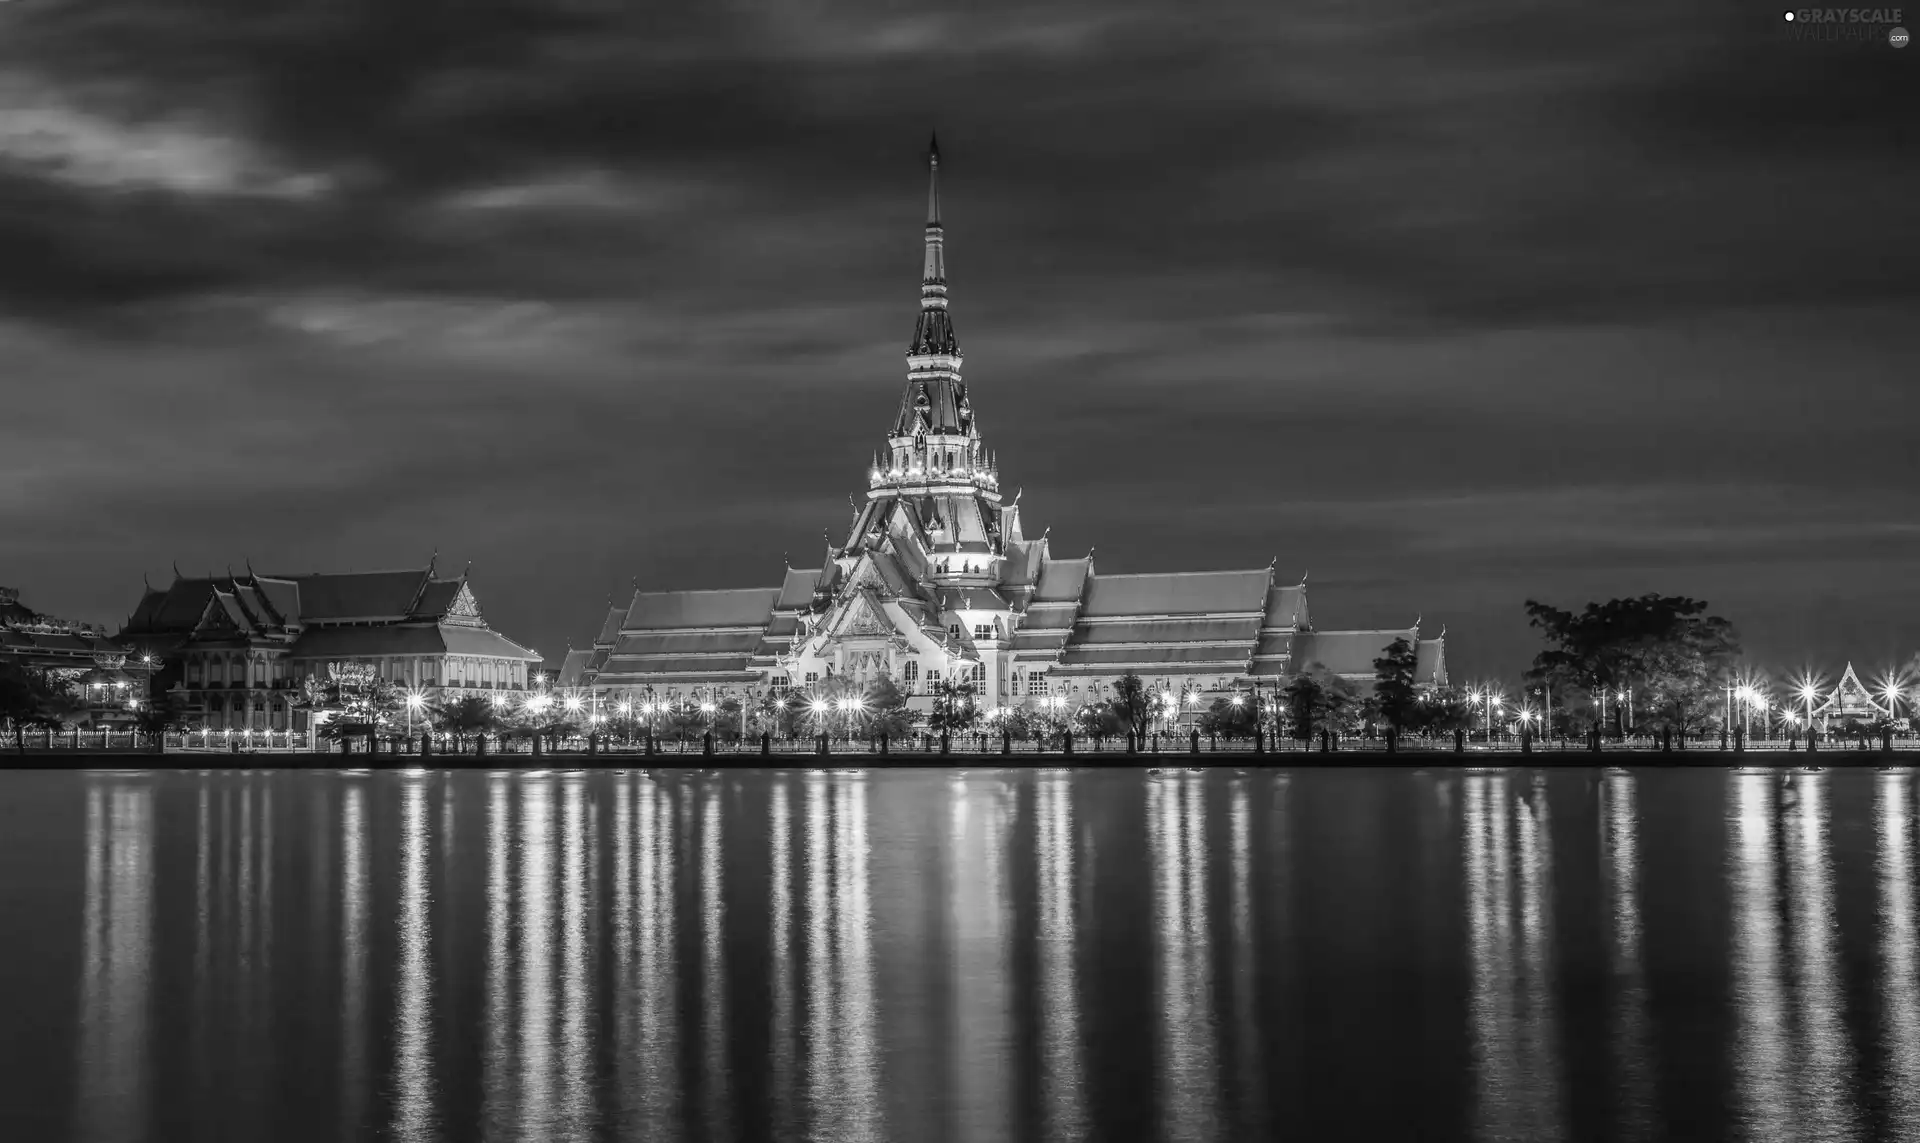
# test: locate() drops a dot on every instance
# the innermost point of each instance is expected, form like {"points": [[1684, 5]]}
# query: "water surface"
{"points": [[978, 954]]}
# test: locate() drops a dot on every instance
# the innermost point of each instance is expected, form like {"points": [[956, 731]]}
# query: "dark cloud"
{"points": [[1450, 305]]}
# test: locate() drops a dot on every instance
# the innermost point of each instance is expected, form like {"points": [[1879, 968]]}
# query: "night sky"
{"points": [[1448, 306]]}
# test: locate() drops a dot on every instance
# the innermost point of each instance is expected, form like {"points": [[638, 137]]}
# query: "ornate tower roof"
{"points": [[933, 332]]}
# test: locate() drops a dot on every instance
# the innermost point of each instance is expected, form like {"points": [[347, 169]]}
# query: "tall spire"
{"points": [[933, 332]]}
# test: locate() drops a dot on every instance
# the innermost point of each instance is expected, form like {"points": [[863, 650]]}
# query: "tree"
{"points": [[954, 711], [1099, 721], [1673, 654], [887, 710], [360, 701], [1396, 693], [1229, 719], [163, 716], [1133, 704], [780, 714], [1317, 699], [33, 698], [1443, 711], [461, 717]]}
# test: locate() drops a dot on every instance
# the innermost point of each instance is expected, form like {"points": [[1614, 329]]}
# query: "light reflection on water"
{"points": [[814, 955]]}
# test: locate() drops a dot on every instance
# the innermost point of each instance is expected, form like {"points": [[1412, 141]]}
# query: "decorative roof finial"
{"points": [[933, 333], [176, 570], [933, 180]]}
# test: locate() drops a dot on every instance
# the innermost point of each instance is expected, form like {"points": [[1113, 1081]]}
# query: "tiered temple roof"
{"points": [[323, 615], [31, 639]]}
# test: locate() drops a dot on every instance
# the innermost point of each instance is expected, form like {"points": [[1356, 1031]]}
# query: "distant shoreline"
{"points": [[1827, 758]]}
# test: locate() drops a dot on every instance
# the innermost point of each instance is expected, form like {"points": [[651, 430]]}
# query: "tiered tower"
{"points": [[936, 476]]}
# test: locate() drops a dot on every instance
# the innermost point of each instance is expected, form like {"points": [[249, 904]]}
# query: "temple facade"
{"points": [[238, 649], [1851, 701], [937, 579]]}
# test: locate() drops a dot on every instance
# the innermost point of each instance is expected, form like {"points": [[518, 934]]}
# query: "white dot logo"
{"points": [[1897, 37], [1789, 17]]}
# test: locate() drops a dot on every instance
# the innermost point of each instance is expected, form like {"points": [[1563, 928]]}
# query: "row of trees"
{"points": [[1673, 657]]}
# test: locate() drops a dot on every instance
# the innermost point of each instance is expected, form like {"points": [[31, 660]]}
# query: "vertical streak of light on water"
{"points": [[116, 963], [626, 1024], [1198, 947], [1824, 1061], [246, 899], [413, 988], [93, 1122], [576, 1049], [1632, 1046], [1063, 1093], [981, 1001], [780, 940], [266, 904], [535, 960], [496, 1065], [353, 963], [1534, 851], [859, 1045], [659, 969], [1490, 1005], [713, 986], [1760, 1036], [1250, 1078], [202, 904], [1900, 977], [1186, 1036], [821, 1049]]}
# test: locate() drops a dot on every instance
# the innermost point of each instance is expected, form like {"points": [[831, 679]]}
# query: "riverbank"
{"points": [[1835, 758]]}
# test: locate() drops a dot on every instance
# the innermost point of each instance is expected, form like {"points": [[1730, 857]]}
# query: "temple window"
{"points": [[983, 631], [812, 678], [911, 673], [979, 672], [1037, 683], [953, 629]]}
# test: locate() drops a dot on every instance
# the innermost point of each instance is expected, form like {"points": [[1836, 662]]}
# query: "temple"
{"points": [[236, 649], [937, 579], [1851, 701]]}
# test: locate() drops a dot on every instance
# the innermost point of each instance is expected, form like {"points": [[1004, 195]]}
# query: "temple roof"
{"points": [[1346, 652], [726, 607], [610, 627], [408, 639], [1176, 593]]}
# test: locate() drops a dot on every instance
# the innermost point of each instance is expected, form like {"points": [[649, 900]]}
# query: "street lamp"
{"points": [[414, 701]]}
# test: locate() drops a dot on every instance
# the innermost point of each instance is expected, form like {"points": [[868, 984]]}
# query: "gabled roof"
{"points": [[573, 669], [335, 596], [1061, 581], [796, 590], [1849, 696], [610, 627], [1430, 662], [1177, 593], [673, 610], [1346, 652], [436, 598], [1287, 607]]}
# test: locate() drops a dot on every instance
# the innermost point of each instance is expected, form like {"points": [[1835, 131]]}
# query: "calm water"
{"points": [[919, 955]]}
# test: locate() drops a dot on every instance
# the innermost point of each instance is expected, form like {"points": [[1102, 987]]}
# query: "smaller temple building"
{"points": [[97, 667], [238, 649], [1851, 702]]}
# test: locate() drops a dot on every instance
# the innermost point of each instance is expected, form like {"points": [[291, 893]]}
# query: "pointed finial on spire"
{"points": [[176, 570], [933, 180]]}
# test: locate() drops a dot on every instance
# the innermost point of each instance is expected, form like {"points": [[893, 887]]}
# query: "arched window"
{"points": [[911, 674]]}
